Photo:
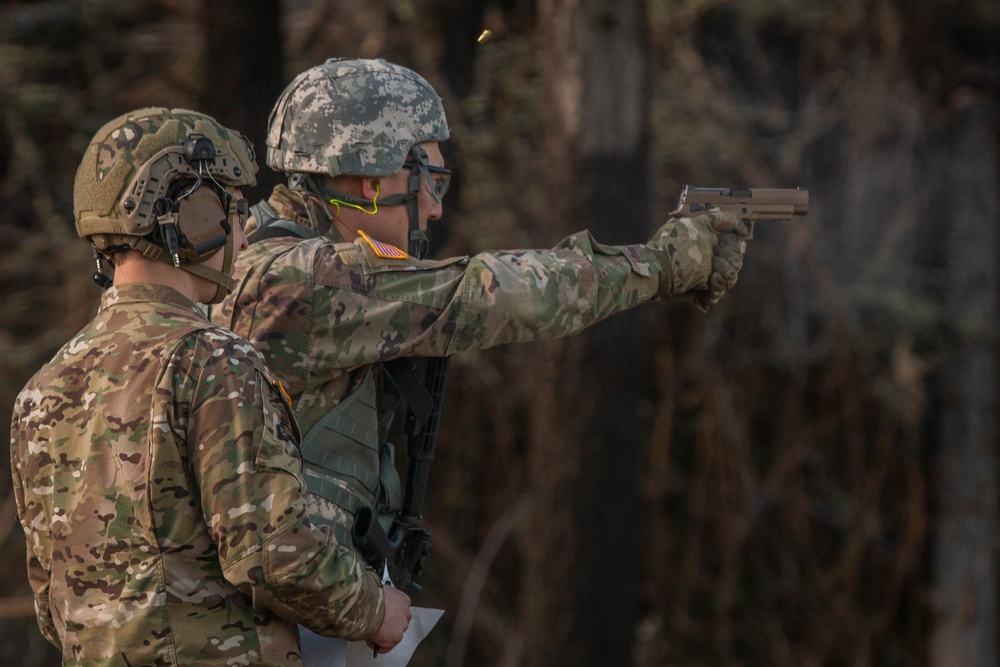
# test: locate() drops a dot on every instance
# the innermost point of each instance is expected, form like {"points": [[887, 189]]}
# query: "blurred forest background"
{"points": [[806, 475]]}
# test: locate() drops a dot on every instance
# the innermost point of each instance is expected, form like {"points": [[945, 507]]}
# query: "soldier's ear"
{"points": [[370, 188]]}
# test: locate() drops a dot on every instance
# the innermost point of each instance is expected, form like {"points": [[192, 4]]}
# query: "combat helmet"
{"points": [[357, 117], [133, 187]]}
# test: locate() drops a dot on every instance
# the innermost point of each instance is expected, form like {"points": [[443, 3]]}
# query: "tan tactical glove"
{"points": [[700, 256]]}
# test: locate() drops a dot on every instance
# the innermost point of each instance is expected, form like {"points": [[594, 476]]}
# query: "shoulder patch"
{"points": [[383, 250]]}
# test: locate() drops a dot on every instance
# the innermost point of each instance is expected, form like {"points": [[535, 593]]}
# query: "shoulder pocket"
{"points": [[279, 438]]}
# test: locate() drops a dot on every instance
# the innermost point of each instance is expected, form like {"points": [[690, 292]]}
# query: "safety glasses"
{"points": [[440, 181]]}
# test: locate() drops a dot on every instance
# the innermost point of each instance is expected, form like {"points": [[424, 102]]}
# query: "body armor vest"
{"points": [[346, 457], [347, 461]]}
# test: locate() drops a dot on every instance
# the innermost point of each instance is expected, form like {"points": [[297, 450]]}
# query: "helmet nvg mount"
{"points": [[134, 185], [357, 117]]}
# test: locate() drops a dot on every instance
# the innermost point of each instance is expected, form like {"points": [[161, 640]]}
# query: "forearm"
{"points": [[531, 295], [39, 578], [328, 589], [248, 472], [39, 575]]}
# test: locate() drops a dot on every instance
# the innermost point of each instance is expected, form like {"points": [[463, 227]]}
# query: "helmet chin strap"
{"points": [[417, 239], [225, 283], [418, 242]]}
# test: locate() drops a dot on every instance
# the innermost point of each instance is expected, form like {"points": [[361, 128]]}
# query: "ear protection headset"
{"points": [[158, 206]]}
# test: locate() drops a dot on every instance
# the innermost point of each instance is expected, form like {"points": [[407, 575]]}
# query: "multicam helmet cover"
{"points": [[353, 117], [136, 183], [134, 160]]}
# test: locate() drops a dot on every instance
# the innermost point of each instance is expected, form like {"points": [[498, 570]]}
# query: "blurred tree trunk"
{"points": [[244, 72], [460, 20], [593, 74], [614, 174], [964, 554], [547, 535]]}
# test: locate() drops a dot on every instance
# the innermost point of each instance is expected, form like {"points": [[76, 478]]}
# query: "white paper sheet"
{"points": [[319, 651]]}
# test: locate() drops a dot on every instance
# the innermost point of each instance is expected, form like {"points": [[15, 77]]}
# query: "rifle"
{"points": [[406, 545], [750, 204]]}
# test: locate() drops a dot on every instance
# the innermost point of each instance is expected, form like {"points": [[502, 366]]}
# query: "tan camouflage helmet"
{"points": [[132, 162], [353, 117]]}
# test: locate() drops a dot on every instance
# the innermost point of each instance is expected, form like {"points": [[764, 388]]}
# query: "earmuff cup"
{"points": [[203, 223]]}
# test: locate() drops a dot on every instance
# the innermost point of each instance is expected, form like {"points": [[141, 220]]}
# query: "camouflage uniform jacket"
{"points": [[320, 310], [159, 485]]}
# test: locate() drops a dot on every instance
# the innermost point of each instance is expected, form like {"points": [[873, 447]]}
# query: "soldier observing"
{"points": [[155, 458], [335, 286]]}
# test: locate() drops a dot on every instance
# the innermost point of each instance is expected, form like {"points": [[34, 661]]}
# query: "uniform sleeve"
{"points": [[244, 453], [39, 574], [369, 309]]}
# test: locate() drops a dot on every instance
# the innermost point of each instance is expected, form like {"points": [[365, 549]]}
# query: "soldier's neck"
{"points": [[139, 269]]}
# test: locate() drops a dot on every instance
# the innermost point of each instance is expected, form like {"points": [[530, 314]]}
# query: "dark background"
{"points": [[807, 475]]}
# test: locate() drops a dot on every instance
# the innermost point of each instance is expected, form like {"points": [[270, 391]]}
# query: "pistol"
{"points": [[750, 204]]}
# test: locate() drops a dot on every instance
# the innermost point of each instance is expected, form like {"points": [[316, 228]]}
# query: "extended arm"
{"points": [[372, 310]]}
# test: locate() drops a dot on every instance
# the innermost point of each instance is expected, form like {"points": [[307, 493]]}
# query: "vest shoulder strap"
{"points": [[271, 225]]}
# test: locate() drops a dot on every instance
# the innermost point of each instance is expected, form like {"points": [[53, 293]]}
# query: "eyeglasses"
{"points": [[439, 186]]}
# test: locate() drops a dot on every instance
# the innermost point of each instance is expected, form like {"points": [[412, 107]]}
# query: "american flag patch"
{"points": [[383, 250]]}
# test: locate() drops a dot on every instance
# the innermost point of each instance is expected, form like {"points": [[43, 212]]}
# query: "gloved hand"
{"points": [[700, 256]]}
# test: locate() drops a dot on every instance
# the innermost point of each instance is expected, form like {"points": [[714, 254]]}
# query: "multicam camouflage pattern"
{"points": [[356, 117], [322, 311], [159, 485], [119, 150], [702, 255]]}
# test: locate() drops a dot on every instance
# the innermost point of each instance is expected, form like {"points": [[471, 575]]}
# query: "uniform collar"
{"points": [[304, 209], [146, 292]]}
